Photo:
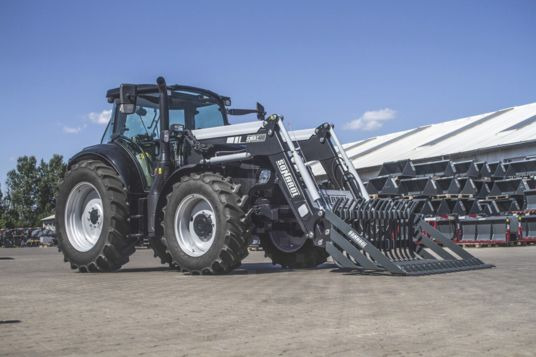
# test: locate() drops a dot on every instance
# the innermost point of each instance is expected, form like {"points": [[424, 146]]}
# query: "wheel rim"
{"points": [[84, 216], [195, 225], [286, 242]]}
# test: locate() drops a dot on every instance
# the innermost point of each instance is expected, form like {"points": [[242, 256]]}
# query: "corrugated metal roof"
{"points": [[503, 127], [470, 125]]}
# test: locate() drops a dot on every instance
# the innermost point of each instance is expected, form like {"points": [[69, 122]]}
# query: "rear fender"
{"points": [[115, 156]]}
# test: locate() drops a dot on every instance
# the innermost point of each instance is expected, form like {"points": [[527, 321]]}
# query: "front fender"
{"points": [[170, 181], [175, 176]]}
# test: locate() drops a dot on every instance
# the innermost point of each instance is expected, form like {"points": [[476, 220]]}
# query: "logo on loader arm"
{"points": [[356, 238], [253, 138], [287, 177]]}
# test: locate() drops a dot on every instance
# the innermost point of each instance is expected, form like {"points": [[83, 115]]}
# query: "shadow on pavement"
{"points": [[267, 268], [244, 269], [145, 269]]}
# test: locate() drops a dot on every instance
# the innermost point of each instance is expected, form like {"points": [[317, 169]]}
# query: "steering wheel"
{"points": [[132, 142]]}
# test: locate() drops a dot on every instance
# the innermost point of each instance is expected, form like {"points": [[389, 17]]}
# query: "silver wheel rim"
{"points": [[83, 216], [195, 225]]}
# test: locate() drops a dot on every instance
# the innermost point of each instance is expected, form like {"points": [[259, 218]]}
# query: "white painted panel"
{"points": [[227, 130]]}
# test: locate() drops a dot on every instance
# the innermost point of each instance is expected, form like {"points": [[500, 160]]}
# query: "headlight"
{"points": [[264, 176]]}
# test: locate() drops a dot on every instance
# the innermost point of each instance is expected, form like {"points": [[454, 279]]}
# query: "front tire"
{"points": [[306, 256], [204, 228], [91, 218], [160, 252]]}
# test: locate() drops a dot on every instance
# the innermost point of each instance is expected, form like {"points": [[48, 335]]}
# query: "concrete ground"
{"points": [[264, 310]]}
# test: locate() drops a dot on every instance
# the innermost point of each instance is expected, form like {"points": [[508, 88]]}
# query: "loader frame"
{"points": [[410, 246]]}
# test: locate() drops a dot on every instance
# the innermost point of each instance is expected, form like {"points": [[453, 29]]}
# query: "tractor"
{"points": [[171, 169]]}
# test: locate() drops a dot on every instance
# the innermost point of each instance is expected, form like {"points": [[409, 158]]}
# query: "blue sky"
{"points": [[380, 65]]}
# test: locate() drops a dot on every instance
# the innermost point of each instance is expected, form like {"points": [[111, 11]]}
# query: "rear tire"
{"points": [[91, 218], [307, 256], [204, 228]]}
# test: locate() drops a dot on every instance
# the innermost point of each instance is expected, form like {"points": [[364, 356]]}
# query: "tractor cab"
{"points": [[136, 118]]}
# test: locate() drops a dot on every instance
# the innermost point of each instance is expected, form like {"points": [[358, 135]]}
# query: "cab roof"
{"points": [[113, 93]]}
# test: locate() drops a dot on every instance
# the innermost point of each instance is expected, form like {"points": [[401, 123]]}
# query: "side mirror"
{"points": [[241, 111], [261, 113], [127, 98]]}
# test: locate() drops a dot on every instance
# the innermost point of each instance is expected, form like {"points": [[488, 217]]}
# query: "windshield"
{"points": [[193, 110]]}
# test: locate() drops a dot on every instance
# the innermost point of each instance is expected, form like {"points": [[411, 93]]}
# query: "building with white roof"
{"points": [[501, 135], [49, 223]]}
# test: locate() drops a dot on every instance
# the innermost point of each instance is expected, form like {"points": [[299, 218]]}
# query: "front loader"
{"points": [[172, 170]]}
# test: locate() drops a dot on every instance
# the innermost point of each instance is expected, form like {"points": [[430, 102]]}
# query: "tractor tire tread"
{"points": [[308, 256], [117, 248], [236, 241]]}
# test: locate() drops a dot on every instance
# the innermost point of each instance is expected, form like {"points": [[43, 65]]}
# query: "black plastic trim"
{"points": [[119, 159]]}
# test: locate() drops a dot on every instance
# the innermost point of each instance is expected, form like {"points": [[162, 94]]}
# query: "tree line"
{"points": [[30, 191]]}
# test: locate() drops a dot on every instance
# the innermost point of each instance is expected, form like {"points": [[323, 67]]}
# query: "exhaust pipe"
{"points": [[161, 171]]}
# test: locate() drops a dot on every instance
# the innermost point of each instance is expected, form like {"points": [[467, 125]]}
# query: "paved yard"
{"points": [[264, 310]]}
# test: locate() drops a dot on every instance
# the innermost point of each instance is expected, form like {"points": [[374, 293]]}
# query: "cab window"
{"points": [[208, 116], [108, 133], [192, 110], [145, 121]]}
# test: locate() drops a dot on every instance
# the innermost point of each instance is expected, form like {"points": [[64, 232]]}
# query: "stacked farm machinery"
{"points": [[27, 237], [473, 203]]}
